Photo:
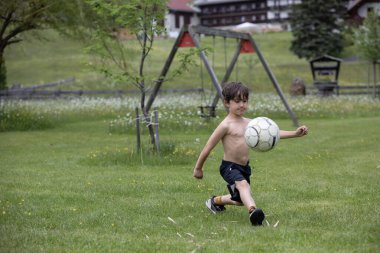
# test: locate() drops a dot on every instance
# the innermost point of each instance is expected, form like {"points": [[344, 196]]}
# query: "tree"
{"points": [[317, 27], [144, 19], [21, 16], [367, 40]]}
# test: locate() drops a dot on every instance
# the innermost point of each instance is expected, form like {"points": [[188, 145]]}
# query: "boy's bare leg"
{"points": [[245, 194], [226, 200], [256, 215]]}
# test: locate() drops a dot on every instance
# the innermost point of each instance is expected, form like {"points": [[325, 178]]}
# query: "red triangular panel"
{"points": [[246, 47], [186, 40]]}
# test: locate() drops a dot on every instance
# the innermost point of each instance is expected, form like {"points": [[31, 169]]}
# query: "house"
{"points": [[242, 15], [219, 13], [279, 10], [180, 13], [227, 13], [359, 9]]}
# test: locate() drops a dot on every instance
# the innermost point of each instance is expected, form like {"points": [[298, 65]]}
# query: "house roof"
{"points": [[353, 5], [325, 58], [181, 5], [207, 2]]}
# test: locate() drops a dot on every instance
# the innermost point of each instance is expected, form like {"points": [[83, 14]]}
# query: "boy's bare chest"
{"points": [[236, 130], [234, 142]]}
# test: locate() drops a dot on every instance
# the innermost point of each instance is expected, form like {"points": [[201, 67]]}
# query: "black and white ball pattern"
{"points": [[262, 134]]}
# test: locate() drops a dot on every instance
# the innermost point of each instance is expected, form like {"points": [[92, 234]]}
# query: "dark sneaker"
{"points": [[257, 217], [214, 208]]}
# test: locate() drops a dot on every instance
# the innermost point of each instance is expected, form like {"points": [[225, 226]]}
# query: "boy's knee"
{"points": [[240, 185]]}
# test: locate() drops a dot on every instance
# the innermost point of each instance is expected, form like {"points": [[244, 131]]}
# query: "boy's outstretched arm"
{"points": [[299, 132], [216, 136]]}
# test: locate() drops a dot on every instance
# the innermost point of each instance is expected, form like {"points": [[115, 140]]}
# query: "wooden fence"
{"points": [[39, 92], [51, 94], [343, 90]]}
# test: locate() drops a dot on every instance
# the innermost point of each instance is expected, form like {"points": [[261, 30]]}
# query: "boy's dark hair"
{"points": [[235, 90]]}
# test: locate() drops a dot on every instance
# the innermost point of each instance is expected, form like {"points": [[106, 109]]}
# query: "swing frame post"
{"points": [[203, 56], [246, 36], [157, 134], [228, 73], [138, 135], [188, 38], [207, 111], [274, 82], [165, 70]]}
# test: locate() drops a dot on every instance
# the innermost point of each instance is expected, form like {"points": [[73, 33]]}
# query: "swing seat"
{"points": [[207, 111]]}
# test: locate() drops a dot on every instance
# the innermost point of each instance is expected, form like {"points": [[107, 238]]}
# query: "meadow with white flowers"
{"points": [[177, 109]]}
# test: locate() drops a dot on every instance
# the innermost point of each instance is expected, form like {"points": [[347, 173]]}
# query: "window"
{"points": [[187, 20], [253, 6], [284, 15], [253, 18], [177, 22], [271, 15]]}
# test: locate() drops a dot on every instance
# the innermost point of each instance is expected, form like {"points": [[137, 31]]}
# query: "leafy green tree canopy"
{"points": [[144, 19], [317, 27], [367, 38], [21, 16]]}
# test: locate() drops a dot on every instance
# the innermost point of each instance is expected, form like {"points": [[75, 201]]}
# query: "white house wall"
{"points": [[272, 3], [272, 15], [171, 30], [363, 10], [169, 22]]}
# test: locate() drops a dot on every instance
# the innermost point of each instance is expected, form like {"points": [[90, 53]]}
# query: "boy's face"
{"points": [[237, 106]]}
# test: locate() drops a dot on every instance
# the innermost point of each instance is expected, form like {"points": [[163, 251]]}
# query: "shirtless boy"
{"points": [[235, 168]]}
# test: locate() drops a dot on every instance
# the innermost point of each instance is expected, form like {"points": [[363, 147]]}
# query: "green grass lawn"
{"points": [[79, 187]]}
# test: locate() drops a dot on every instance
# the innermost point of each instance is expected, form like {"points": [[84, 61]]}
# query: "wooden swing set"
{"points": [[189, 37]]}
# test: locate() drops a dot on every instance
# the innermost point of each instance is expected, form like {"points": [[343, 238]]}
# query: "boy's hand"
{"points": [[301, 131], [198, 173]]}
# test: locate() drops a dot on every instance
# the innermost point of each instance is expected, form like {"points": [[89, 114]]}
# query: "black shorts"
{"points": [[232, 172]]}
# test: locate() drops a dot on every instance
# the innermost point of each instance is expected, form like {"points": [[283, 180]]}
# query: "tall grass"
{"points": [[175, 111]]}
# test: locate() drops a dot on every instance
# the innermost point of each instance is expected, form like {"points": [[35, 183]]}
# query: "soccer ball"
{"points": [[262, 134]]}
